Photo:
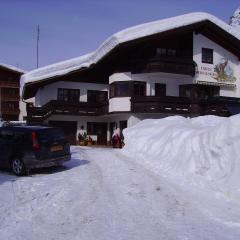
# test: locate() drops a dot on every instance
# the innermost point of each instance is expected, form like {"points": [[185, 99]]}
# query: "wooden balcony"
{"points": [[9, 84], [39, 114], [167, 65], [183, 106]]}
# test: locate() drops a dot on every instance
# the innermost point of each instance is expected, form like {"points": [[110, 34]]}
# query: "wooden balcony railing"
{"points": [[183, 106], [39, 114], [167, 65]]}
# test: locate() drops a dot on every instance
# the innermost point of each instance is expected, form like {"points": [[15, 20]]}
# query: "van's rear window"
{"points": [[50, 135]]}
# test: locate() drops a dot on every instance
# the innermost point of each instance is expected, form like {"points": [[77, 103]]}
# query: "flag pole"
{"points": [[38, 32]]}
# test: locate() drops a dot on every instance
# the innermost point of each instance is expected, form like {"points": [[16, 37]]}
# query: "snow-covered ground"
{"points": [[103, 194]]}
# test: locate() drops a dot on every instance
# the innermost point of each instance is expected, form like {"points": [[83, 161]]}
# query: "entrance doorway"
{"points": [[122, 125], [100, 130]]}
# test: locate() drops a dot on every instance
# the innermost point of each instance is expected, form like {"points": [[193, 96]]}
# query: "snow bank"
{"points": [[204, 151], [123, 36]]}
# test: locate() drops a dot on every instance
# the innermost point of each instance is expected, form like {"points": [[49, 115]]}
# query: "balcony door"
{"points": [[95, 96], [139, 88], [160, 90], [100, 130], [68, 95], [199, 91]]}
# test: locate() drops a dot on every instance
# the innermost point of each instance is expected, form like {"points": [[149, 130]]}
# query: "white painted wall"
{"points": [[82, 121], [132, 119], [49, 92], [119, 104], [199, 42], [136, 118], [118, 77]]}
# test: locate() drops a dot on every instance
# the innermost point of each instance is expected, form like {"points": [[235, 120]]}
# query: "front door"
{"points": [[100, 130]]}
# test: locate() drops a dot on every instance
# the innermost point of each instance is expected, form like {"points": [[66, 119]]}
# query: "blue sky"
{"points": [[70, 28]]}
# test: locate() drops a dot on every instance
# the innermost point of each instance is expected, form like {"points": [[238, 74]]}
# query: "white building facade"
{"points": [[153, 71]]}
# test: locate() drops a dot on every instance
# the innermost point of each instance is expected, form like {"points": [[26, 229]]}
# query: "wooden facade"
{"points": [[9, 93], [36, 115], [139, 104], [150, 65], [183, 106]]}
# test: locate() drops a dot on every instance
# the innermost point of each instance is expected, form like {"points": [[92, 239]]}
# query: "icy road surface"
{"points": [[101, 194]]}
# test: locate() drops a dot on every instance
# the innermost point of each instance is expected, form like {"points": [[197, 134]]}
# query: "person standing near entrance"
{"points": [[116, 140]]}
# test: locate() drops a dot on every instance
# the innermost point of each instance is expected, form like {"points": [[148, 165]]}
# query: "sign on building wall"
{"points": [[221, 73]]}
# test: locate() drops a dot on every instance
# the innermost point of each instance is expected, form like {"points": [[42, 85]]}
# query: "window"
{"points": [[127, 89], [206, 92], [187, 91], [207, 55], [20, 137], [9, 92], [10, 105], [50, 135], [71, 95], [172, 52], [139, 88], [6, 135], [166, 52], [160, 90], [120, 89], [97, 96], [199, 91], [161, 52], [112, 90]]}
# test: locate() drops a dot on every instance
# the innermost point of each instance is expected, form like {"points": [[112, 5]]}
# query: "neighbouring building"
{"points": [[11, 107], [186, 65]]}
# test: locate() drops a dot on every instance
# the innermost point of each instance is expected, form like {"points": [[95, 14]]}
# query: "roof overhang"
{"points": [[87, 63]]}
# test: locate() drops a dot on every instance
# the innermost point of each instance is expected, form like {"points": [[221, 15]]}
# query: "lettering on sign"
{"points": [[207, 71]]}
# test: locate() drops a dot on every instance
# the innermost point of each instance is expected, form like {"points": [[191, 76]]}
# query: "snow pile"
{"points": [[123, 36], [204, 151], [235, 19]]}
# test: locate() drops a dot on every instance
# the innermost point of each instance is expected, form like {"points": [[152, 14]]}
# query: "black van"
{"points": [[23, 148]]}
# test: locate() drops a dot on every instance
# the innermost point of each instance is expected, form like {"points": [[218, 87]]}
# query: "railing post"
{"points": [[195, 109]]}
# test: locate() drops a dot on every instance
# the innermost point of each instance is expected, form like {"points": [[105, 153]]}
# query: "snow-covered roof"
{"points": [[235, 19], [12, 68], [123, 36]]}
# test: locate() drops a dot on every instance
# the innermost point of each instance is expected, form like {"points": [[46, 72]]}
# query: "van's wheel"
{"points": [[18, 167]]}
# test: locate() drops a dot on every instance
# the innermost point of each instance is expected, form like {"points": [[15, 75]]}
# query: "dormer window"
{"points": [[166, 52], [207, 55]]}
